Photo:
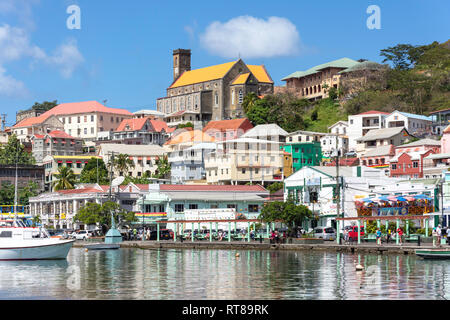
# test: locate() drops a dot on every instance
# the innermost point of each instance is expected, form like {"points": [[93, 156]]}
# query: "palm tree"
{"points": [[66, 179], [163, 171], [249, 101], [123, 163], [36, 220]]}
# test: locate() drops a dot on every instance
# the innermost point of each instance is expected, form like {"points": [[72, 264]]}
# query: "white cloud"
{"points": [[11, 87], [251, 37], [66, 58], [15, 45]]}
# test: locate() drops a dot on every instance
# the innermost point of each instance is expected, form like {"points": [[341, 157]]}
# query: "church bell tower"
{"points": [[181, 62]]}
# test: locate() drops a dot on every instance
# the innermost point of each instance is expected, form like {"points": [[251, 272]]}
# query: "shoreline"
{"points": [[333, 247]]}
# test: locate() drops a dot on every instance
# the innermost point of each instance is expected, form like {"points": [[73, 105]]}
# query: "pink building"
{"points": [[445, 141]]}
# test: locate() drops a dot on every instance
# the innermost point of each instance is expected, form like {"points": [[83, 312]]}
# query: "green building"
{"points": [[304, 154]]}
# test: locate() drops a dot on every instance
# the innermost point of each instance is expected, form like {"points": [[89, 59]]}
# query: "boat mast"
{"points": [[15, 184]]}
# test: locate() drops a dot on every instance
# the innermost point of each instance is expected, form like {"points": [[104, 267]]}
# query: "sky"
{"points": [[121, 51]]}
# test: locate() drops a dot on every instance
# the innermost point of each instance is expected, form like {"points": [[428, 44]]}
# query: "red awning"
{"points": [[60, 161], [139, 158], [131, 158], [68, 161]]}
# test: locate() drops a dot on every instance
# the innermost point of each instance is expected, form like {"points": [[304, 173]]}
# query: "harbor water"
{"points": [[136, 274]]}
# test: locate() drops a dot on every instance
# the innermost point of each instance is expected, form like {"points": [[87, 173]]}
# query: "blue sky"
{"points": [[123, 51]]}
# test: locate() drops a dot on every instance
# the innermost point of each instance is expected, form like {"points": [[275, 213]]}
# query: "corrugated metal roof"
{"points": [[132, 150], [385, 133], [340, 63], [423, 142], [265, 130], [380, 151]]}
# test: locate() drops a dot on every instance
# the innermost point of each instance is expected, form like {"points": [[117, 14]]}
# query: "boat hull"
{"points": [[433, 254], [45, 249]]}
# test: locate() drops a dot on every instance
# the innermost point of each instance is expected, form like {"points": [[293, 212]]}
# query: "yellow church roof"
{"points": [[241, 79], [260, 73], [203, 75]]}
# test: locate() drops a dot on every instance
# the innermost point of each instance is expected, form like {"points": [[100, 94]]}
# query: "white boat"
{"points": [[19, 242]]}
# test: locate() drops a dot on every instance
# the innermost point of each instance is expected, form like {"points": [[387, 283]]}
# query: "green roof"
{"points": [[366, 65], [340, 63]]}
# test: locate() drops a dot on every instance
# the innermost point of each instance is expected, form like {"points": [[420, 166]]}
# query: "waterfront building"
{"points": [[316, 188], [245, 201], [417, 125], [304, 154], [144, 157], [80, 119], [382, 137], [57, 209], [360, 124], [188, 165], [211, 93], [304, 136], [245, 160], [53, 163], [227, 129], [55, 143], [269, 132]]}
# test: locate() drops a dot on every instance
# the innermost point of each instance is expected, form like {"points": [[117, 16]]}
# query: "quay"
{"points": [[371, 248]]}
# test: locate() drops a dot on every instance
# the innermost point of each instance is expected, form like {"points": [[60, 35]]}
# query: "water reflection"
{"points": [[220, 274]]}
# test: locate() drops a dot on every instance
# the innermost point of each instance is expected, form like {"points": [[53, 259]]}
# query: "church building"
{"points": [[212, 93]]}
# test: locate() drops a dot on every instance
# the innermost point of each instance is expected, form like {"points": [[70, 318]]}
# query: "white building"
{"points": [[315, 187], [304, 136], [416, 125], [360, 124], [270, 132], [332, 142]]}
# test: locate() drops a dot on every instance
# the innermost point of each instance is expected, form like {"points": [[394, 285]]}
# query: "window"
{"points": [[85, 130], [253, 208], [231, 206], [78, 119], [415, 164], [179, 207], [243, 171], [394, 166], [193, 206], [85, 118], [241, 97], [92, 118]]}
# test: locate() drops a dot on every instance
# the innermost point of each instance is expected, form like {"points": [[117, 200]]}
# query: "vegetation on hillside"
{"points": [[417, 81]]}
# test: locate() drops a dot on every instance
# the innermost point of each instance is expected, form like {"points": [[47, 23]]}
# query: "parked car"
{"points": [[353, 232], [325, 233], [81, 235], [164, 234], [351, 154]]}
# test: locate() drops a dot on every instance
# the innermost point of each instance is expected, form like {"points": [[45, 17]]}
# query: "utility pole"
{"points": [[111, 174], [338, 188]]}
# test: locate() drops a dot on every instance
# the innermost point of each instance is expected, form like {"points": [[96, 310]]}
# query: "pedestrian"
{"points": [[148, 234], [438, 235], [134, 234], [400, 235], [448, 235], [272, 237], [346, 236], [388, 235], [378, 236], [434, 235]]}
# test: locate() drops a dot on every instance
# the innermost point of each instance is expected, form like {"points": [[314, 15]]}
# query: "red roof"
{"points": [[73, 108], [131, 124], [60, 134], [373, 112], [159, 125], [224, 125], [213, 188]]}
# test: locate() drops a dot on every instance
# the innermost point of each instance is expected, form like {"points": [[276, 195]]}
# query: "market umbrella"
{"points": [[401, 199], [392, 198], [422, 196], [410, 198]]}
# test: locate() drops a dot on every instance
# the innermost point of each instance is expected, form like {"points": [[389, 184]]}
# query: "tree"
{"points": [[402, 56], [23, 194], [163, 170], [249, 101], [288, 212], [46, 105], [65, 179], [186, 125], [91, 172], [333, 93], [274, 187], [36, 220], [14, 151], [122, 164], [93, 213]]}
